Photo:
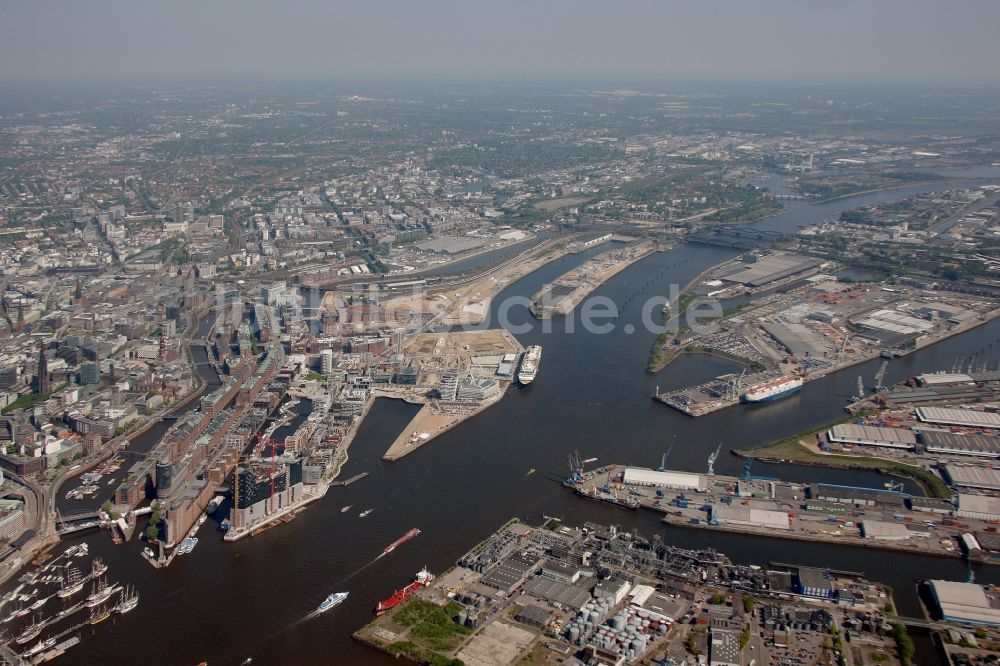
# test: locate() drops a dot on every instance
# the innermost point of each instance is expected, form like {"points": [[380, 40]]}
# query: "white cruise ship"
{"points": [[773, 389], [529, 365]]}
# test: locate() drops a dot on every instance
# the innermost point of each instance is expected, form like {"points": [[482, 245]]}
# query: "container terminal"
{"points": [[804, 324], [885, 518], [597, 594]]}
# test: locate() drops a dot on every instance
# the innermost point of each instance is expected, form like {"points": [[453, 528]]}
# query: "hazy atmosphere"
{"points": [[890, 40]]}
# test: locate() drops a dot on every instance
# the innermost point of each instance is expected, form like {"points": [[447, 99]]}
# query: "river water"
{"points": [[226, 602]]}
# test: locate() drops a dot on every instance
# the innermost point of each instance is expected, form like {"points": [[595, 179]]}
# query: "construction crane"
{"points": [[712, 458], [663, 460], [880, 376]]}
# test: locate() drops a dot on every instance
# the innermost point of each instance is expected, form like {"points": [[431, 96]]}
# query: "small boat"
{"points": [[530, 472], [334, 599], [148, 552], [346, 508], [365, 513]]}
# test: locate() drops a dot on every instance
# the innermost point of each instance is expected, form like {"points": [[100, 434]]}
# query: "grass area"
{"points": [[433, 630], [792, 450]]}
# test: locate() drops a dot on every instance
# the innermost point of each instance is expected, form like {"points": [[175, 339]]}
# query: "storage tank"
{"points": [[574, 634], [618, 622], [462, 617]]}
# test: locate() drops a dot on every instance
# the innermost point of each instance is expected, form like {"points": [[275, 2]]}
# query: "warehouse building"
{"points": [[966, 603], [939, 441], [881, 530], [764, 270], [748, 516], [636, 476], [972, 477], [896, 438], [813, 582], [970, 418], [978, 507], [853, 496]]}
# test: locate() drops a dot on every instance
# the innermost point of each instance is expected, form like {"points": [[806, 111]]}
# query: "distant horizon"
{"points": [[853, 42]]}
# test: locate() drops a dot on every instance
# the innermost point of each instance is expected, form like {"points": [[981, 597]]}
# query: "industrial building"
{"points": [[896, 438], [978, 507], [965, 603], [972, 477], [970, 418], [555, 592], [673, 480], [939, 441], [881, 530], [738, 514]]}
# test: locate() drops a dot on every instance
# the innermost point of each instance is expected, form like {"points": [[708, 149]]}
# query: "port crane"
{"points": [[894, 487], [747, 476], [861, 389], [575, 466], [880, 376], [663, 460], [712, 458]]}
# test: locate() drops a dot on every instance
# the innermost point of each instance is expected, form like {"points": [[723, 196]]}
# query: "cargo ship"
{"points": [[529, 365], [423, 579], [774, 389], [400, 541]]}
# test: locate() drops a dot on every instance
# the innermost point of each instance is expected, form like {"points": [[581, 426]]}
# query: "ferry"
{"points": [[214, 505], [774, 389], [401, 540], [334, 599], [529, 365], [187, 545], [365, 513], [422, 579]]}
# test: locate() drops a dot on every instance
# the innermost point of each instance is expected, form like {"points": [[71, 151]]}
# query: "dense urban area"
{"points": [[206, 292]]}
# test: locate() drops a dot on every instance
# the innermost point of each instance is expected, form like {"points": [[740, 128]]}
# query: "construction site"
{"points": [[569, 289]]}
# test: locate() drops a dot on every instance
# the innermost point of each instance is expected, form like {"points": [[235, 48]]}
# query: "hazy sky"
{"points": [[803, 40]]}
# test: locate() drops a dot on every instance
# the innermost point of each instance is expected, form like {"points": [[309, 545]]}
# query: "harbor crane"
{"points": [[861, 388], [712, 458], [896, 487], [663, 460], [880, 376]]}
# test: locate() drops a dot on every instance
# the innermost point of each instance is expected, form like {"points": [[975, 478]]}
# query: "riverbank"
{"points": [[798, 450]]}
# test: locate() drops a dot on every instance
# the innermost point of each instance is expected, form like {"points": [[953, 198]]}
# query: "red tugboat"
{"points": [[423, 579], [400, 541]]}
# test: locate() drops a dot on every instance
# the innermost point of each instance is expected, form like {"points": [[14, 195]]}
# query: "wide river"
{"points": [[226, 602]]}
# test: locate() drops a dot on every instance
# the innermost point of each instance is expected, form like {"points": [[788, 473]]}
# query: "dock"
{"points": [[347, 482]]}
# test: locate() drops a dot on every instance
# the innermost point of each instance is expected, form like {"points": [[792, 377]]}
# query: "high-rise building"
{"points": [[326, 361], [42, 383], [90, 373]]}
